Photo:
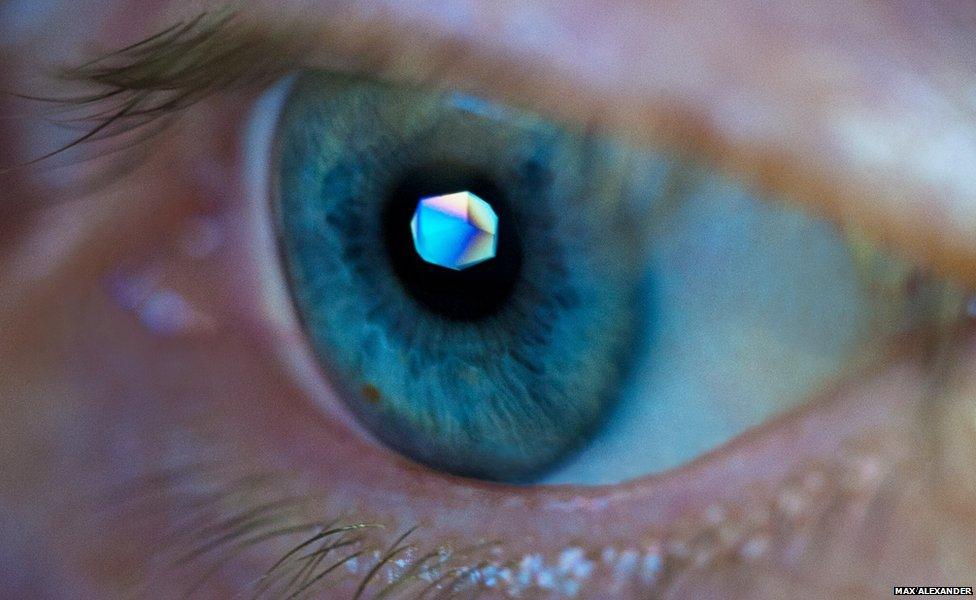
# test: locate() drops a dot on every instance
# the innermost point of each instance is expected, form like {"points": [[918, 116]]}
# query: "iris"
{"points": [[498, 370]]}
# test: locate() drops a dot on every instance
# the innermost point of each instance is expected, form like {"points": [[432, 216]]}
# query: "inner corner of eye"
{"points": [[505, 298]]}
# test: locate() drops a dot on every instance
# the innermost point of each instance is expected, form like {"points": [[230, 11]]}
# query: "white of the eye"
{"points": [[258, 142], [274, 305], [754, 307]]}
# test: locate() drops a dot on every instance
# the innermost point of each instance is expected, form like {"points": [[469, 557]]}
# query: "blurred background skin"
{"points": [[866, 112]]}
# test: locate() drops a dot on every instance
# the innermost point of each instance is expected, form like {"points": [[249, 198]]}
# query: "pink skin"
{"points": [[832, 496]]}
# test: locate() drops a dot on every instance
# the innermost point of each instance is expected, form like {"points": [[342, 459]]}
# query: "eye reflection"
{"points": [[455, 231]]}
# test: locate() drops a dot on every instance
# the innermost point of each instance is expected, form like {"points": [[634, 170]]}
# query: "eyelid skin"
{"points": [[841, 111], [863, 113]]}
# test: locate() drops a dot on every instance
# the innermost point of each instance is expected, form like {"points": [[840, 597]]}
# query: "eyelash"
{"points": [[223, 516], [139, 91], [138, 95]]}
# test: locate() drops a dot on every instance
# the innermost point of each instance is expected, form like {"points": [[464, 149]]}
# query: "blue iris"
{"points": [[497, 371]]}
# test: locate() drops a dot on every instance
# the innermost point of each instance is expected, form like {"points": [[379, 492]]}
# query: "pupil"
{"points": [[466, 295]]}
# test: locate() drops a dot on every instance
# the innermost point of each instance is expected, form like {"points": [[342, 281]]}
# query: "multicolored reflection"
{"points": [[455, 231]]}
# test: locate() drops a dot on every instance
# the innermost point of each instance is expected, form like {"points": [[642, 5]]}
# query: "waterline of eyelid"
{"points": [[740, 533]]}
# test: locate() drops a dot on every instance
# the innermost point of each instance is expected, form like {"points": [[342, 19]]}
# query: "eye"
{"points": [[754, 399], [627, 312]]}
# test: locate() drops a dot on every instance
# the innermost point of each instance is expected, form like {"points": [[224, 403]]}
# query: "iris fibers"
{"points": [[497, 371]]}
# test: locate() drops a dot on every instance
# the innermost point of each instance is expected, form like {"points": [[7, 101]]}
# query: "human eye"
{"points": [[218, 368]]}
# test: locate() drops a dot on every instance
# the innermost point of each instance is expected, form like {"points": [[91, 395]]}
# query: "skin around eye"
{"points": [[99, 388]]}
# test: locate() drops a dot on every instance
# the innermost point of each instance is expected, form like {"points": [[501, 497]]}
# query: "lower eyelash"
{"points": [[223, 517], [228, 517]]}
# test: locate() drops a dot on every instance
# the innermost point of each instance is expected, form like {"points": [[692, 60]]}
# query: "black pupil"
{"points": [[469, 294]]}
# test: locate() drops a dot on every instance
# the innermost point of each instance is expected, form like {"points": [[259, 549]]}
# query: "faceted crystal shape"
{"points": [[455, 231]]}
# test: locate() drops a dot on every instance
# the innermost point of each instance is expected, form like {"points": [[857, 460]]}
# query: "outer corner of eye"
{"points": [[495, 296]]}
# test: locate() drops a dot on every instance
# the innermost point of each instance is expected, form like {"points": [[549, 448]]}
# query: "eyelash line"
{"points": [[224, 515], [143, 87], [220, 523]]}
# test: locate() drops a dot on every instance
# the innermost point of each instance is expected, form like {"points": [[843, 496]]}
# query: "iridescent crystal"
{"points": [[455, 231]]}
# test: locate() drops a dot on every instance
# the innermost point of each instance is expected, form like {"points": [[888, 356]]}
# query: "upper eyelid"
{"points": [[138, 86], [430, 52]]}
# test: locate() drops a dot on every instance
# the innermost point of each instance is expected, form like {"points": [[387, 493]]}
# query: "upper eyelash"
{"points": [[141, 88]]}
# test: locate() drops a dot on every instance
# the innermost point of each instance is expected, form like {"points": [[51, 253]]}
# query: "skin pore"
{"points": [[865, 114]]}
